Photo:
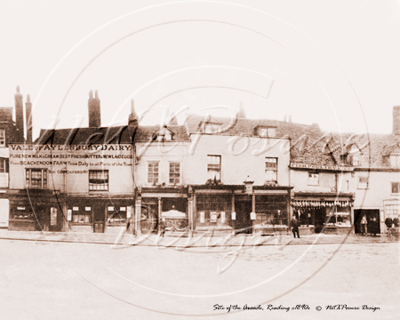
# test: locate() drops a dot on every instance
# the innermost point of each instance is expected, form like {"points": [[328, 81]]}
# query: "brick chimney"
{"points": [[19, 116], [28, 115], [94, 110], [396, 120], [133, 122]]}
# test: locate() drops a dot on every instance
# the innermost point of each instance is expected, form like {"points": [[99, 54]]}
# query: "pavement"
{"points": [[185, 240]]}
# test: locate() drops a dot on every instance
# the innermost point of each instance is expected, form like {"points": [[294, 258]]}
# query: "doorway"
{"points": [[373, 225], [243, 208], [99, 216]]}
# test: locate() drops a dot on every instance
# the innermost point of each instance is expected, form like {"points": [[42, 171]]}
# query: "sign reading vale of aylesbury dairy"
{"points": [[70, 156]]}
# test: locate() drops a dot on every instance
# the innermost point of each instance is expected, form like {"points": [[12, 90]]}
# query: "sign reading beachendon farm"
{"points": [[319, 167]]}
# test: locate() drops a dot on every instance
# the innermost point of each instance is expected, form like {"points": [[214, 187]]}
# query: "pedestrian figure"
{"points": [[162, 228], [364, 223], [294, 224], [374, 225]]}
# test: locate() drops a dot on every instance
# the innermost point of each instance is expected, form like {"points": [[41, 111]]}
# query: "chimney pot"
{"points": [[94, 110], [19, 115], [28, 118], [396, 120]]}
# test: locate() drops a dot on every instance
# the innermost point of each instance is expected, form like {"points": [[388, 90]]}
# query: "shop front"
{"points": [[162, 207], [32, 210], [241, 209], [323, 213], [98, 214]]}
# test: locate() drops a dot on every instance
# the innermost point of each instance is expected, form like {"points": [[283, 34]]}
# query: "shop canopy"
{"points": [[173, 214], [320, 203]]}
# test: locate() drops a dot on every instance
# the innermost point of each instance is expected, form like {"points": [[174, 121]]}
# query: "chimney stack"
{"points": [[19, 116], [396, 120], [284, 118], [133, 118], [94, 110], [28, 115], [290, 118]]}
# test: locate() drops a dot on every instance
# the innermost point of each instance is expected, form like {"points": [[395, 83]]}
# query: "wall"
{"points": [[77, 163], [379, 189], [239, 158], [327, 182], [169, 151]]}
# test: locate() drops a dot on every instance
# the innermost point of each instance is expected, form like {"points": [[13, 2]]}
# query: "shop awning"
{"points": [[173, 214], [320, 203]]}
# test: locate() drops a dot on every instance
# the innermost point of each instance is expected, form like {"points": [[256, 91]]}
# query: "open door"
{"points": [[243, 209]]}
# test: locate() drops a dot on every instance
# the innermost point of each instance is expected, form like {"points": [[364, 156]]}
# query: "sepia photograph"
{"points": [[199, 159]]}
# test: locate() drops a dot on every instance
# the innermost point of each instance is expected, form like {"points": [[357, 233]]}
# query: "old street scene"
{"points": [[144, 213]]}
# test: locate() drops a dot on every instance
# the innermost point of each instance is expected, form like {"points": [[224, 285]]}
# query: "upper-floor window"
{"points": [[266, 132], [313, 179], [362, 183], [395, 160], [2, 138], [271, 170], [3, 165], [36, 178], [214, 167], [152, 172], [212, 128], [174, 172], [395, 187], [164, 134], [98, 180]]}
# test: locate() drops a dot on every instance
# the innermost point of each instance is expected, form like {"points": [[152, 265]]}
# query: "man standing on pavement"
{"points": [[294, 224], [364, 223]]}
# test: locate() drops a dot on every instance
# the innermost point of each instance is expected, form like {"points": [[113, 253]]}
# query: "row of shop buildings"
{"points": [[209, 174]]}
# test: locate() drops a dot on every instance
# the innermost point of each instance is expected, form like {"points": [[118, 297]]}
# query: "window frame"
{"points": [[92, 184], [310, 180], [398, 187], [214, 167], [174, 173], [43, 179], [395, 160], [3, 138], [272, 169], [360, 184], [149, 163], [3, 165]]}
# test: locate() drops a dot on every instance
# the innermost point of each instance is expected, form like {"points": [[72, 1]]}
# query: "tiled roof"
{"points": [[105, 135], [145, 133], [230, 126]]}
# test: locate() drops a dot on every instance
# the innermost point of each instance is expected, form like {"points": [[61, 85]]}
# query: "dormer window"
{"points": [[266, 132], [212, 128], [395, 160], [164, 134]]}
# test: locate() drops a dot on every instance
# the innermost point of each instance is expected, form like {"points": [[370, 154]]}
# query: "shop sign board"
{"points": [[53, 216], [128, 212], [316, 167], [213, 217], [252, 215], [233, 215], [222, 216], [202, 217], [69, 214]]}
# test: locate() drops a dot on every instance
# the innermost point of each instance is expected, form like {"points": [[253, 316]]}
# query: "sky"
{"points": [[334, 63]]}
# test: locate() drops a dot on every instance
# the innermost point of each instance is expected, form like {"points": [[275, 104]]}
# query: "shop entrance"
{"points": [[243, 209], [373, 225], [55, 219], [41, 216], [149, 215], [99, 218]]}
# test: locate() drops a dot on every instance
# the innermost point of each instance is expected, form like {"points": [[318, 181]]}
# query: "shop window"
{"points": [[271, 170], [3, 165], [395, 160], [214, 167], [22, 213], [82, 214], [152, 175], [116, 216], [395, 187], [362, 182], [313, 179], [36, 178], [392, 210], [98, 180], [2, 138], [174, 173]]}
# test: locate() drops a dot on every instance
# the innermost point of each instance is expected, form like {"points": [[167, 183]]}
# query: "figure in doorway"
{"points": [[374, 226], [294, 224], [364, 223]]}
